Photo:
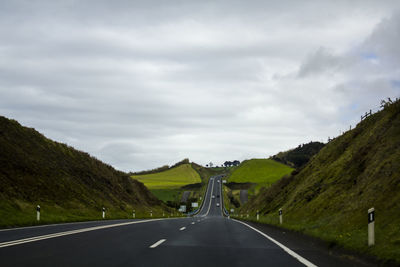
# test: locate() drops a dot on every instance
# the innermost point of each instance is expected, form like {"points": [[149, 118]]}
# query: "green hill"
{"points": [[330, 196], [169, 183], [171, 178], [260, 171], [68, 184]]}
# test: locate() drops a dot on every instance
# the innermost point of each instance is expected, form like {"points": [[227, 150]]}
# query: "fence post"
{"points": [[280, 216], [371, 227], [38, 213]]}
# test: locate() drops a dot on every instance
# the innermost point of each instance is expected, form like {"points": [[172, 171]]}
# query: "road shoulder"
{"points": [[313, 249]]}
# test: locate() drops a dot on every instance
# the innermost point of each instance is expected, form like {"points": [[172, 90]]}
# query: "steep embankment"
{"points": [[68, 184], [330, 196]]}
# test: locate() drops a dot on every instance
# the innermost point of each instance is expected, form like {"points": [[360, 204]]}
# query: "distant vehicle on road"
{"points": [[213, 196], [217, 196], [217, 204]]}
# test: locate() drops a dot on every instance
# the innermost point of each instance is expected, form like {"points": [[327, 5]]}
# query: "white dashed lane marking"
{"points": [[159, 242]]}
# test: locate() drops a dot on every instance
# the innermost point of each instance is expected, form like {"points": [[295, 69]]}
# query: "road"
{"points": [[207, 239]]}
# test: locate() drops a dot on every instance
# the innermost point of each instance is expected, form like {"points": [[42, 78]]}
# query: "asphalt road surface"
{"points": [[207, 239]]}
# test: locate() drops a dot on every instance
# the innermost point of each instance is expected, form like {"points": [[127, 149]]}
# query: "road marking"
{"points": [[183, 228], [159, 242], [286, 249], [46, 225], [208, 192], [42, 237], [209, 206]]}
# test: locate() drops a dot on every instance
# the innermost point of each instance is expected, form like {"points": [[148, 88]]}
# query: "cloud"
{"points": [[140, 84]]}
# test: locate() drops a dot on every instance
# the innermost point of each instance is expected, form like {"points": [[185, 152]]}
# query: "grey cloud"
{"points": [[323, 61], [141, 84]]}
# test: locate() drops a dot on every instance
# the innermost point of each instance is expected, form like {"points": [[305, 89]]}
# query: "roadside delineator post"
{"points": [[151, 213], [247, 215], [104, 212], [133, 214], [38, 213], [258, 216], [280, 216], [371, 227]]}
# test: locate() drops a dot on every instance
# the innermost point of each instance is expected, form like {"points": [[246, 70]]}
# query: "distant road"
{"points": [[208, 239]]}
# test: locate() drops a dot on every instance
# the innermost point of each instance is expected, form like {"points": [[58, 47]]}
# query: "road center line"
{"points": [[42, 237], [183, 228], [286, 249], [159, 242]]}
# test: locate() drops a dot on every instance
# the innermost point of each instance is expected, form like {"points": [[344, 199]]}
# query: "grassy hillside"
{"points": [[300, 155], [169, 183], [330, 196], [171, 178], [68, 184], [261, 171]]}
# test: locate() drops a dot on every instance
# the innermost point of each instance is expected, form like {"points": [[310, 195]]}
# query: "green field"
{"points": [[260, 171], [170, 179]]}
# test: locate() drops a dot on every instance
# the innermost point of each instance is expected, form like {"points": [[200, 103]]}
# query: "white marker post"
{"points": [[104, 212], [247, 215], [133, 214], [151, 213], [38, 213], [371, 227], [280, 216], [258, 216]]}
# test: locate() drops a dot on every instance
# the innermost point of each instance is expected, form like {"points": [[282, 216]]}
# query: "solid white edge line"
{"points": [[209, 206], [159, 242], [286, 249], [182, 228], [205, 198], [42, 237], [47, 225]]}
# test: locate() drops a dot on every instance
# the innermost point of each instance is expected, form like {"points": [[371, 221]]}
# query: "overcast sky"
{"points": [[140, 84]]}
